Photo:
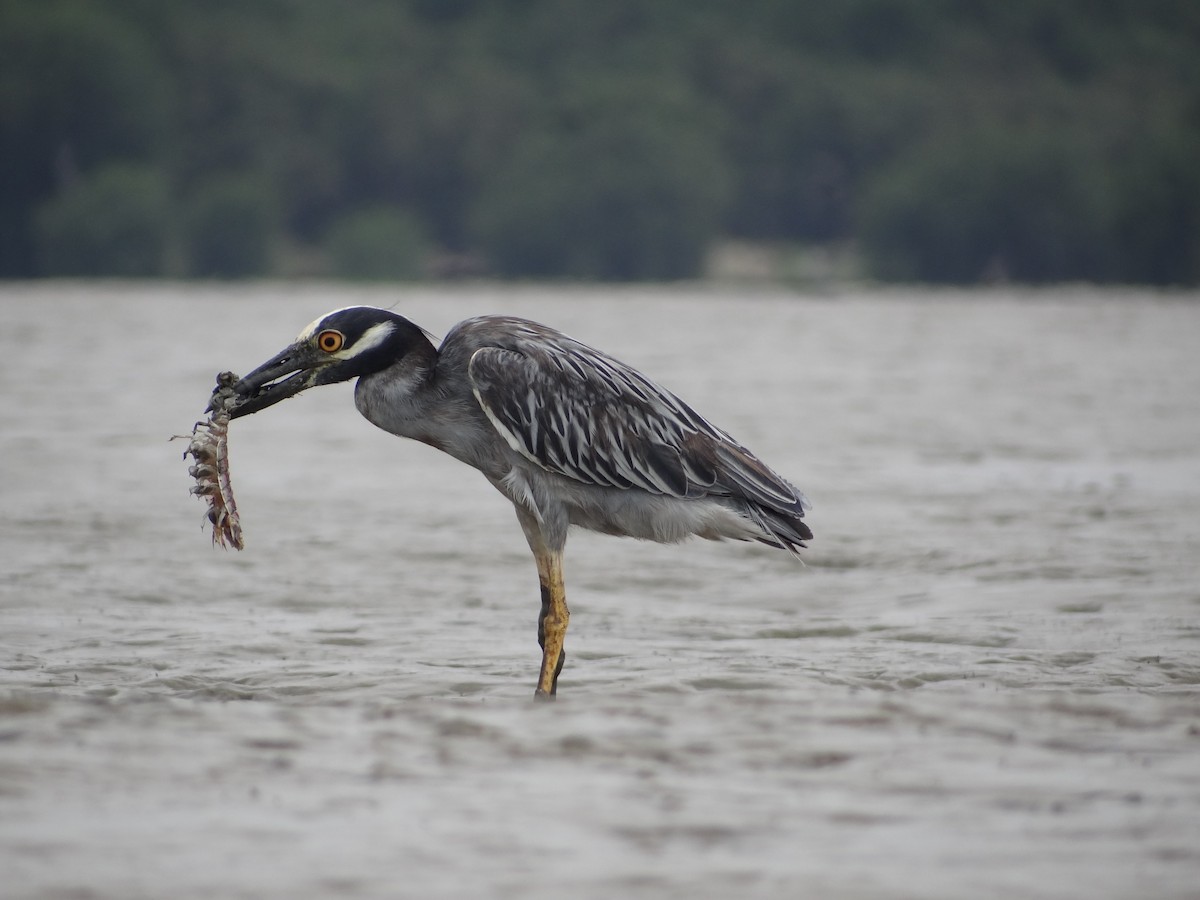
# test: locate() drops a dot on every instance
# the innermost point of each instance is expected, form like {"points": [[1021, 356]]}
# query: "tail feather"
{"points": [[780, 529]]}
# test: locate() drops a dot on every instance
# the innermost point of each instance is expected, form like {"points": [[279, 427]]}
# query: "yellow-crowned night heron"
{"points": [[570, 435]]}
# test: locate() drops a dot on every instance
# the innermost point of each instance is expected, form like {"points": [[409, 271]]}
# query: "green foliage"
{"points": [[228, 226], [1156, 211], [378, 244], [79, 88], [1036, 205], [949, 139], [424, 134], [986, 205], [115, 222], [607, 191]]}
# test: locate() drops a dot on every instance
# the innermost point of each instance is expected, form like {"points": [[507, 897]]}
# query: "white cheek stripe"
{"points": [[372, 338]]}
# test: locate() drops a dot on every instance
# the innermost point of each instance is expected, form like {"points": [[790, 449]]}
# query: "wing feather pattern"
{"points": [[582, 414]]}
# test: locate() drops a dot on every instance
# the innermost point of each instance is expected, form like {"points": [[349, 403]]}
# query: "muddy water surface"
{"points": [[984, 683]]}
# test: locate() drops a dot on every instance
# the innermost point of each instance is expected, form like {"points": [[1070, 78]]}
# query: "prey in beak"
{"points": [[344, 344], [283, 375]]}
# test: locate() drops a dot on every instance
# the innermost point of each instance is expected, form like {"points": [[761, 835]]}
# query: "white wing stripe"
{"points": [[581, 414]]}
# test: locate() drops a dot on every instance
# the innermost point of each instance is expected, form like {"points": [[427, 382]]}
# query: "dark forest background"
{"points": [[932, 140]]}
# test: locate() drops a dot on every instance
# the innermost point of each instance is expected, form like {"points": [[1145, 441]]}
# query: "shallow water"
{"points": [[984, 683]]}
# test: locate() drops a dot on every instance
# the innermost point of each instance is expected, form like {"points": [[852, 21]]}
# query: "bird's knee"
{"points": [[554, 615]]}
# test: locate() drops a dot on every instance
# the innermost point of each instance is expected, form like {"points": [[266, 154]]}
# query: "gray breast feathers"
{"points": [[582, 414]]}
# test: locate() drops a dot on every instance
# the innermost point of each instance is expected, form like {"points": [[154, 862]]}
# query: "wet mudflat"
{"points": [[984, 683]]}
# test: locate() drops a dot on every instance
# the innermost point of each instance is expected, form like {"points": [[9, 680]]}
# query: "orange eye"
{"points": [[330, 341]]}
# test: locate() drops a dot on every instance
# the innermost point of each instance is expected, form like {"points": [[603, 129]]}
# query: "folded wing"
{"points": [[582, 414]]}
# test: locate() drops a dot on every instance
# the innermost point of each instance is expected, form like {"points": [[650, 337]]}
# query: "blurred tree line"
{"points": [[945, 140]]}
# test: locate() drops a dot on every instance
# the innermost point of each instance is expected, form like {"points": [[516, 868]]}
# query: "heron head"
{"points": [[338, 346]]}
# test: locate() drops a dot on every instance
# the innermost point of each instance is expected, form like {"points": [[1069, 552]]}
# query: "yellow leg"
{"points": [[552, 623]]}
